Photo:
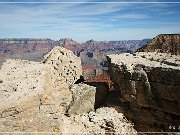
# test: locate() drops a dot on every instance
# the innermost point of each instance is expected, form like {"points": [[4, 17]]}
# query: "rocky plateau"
{"points": [[45, 92]]}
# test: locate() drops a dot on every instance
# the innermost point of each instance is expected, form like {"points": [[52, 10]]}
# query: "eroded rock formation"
{"points": [[27, 96], [66, 64], [164, 43], [37, 91], [150, 83], [86, 98], [41, 97]]}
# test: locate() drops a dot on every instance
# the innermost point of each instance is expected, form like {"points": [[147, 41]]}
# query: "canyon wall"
{"points": [[164, 43], [92, 53], [149, 84]]}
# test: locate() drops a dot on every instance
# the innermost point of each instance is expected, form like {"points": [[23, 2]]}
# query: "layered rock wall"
{"points": [[164, 43], [148, 80]]}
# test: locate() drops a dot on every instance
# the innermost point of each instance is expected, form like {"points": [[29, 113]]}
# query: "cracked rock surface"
{"points": [[150, 84], [148, 79]]}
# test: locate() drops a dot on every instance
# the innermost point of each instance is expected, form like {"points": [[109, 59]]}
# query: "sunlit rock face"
{"points": [[164, 43], [65, 63], [41, 97], [37, 93], [148, 80], [27, 96]]}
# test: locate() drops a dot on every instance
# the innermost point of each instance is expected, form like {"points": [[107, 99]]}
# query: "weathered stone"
{"points": [[27, 96], [142, 77], [148, 86], [34, 96], [25, 85], [103, 121], [87, 97], [65, 63], [35, 92]]}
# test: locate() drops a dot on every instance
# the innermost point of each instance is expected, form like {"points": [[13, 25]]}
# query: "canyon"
{"points": [[92, 53], [132, 90]]}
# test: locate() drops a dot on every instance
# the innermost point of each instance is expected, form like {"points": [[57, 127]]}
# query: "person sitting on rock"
{"points": [[81, 79]]}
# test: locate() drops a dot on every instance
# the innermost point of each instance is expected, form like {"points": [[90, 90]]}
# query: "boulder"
{"points": [[86, 98], [27, 96], [65, 63]]}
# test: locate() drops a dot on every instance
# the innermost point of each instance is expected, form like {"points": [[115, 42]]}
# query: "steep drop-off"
{"points": [[148, 85]]}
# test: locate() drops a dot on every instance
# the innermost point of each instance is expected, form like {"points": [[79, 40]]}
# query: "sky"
{"points": [[83, 20]]}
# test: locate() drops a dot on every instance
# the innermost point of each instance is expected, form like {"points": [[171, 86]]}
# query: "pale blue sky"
{"points": [[84, 21]]}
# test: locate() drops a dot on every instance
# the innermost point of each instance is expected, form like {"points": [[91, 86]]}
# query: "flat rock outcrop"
{"points": [[65, 63], [86, 98], [164, 43], [148, 80]]}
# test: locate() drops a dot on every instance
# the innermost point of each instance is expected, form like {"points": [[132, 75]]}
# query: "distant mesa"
{"points": [[67, 41]]}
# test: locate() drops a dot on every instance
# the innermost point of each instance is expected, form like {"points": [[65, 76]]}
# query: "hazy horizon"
{"points": [[83, 20]]}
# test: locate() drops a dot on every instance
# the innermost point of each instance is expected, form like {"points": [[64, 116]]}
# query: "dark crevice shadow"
{"points": [[102, 90]]}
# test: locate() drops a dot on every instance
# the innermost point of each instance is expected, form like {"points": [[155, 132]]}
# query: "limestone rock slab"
{"points": [[148, 79]]}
